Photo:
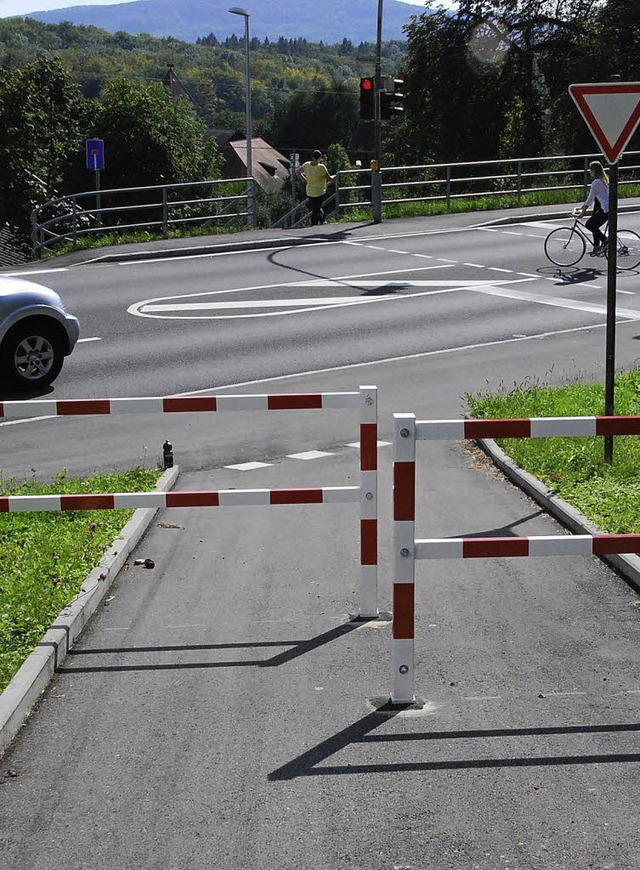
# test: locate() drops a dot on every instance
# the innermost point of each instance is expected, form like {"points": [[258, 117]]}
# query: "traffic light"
{"points": [[367, 98], [391, 99]]}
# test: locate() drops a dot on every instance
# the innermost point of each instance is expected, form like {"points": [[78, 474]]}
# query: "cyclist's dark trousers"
{"points": [[594, 223], [317, 212]]}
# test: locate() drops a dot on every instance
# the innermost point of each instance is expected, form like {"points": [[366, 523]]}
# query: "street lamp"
{"points": [[236, 10]]}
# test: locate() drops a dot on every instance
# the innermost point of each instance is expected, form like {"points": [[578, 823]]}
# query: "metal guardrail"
{"points": [[447, 182], [79, 215], [70, 218], [300, 214]]}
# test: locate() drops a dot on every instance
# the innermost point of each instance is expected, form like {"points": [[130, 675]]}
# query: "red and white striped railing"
{"points": [[182, 404], [365, 399], [408, 430], [198, 498], [541, 545]]}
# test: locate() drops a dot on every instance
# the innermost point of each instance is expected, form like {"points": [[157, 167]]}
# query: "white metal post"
{"points": [[404, 512], [368, 502]]}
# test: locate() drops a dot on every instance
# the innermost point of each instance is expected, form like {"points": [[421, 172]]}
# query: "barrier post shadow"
{"points": [[295, 649], [359, 732]]}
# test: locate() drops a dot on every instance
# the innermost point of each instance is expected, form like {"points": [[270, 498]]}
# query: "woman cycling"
{"points": [[599, 197]]}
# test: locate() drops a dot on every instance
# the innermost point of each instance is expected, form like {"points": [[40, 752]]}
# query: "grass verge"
{"points": [[608, 494], [45, 557]]}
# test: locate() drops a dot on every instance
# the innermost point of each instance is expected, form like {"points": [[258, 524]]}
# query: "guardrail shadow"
{"points": [[296, 649], [308, 763]]}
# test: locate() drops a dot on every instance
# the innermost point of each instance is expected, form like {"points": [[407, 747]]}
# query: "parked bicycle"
{"points": [[566, 246]]}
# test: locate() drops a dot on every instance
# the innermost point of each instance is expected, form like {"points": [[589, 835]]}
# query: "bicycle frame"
{"points": [[584, 231], [565, 246]]}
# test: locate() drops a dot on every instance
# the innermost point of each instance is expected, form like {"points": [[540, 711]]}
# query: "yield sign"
{"points": [[611, 111]]}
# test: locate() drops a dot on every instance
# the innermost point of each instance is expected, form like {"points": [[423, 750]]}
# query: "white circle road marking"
{"points": [[172, 309]]}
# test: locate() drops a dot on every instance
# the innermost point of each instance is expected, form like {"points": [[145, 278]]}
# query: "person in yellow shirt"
{"points": [[315, 176]]}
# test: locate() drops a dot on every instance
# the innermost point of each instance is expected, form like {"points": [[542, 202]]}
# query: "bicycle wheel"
{"points": [[628, 249], [564, 246]]}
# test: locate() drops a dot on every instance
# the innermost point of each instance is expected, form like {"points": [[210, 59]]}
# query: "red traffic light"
{"points": [[366, 84]]}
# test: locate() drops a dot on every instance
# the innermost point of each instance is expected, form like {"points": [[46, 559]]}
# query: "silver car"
{"points": [[36, 333]]}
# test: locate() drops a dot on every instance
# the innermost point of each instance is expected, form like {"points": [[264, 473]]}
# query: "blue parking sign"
{"points": [[95, 154]]}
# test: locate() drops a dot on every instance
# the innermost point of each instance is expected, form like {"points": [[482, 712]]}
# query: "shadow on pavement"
{"points": [[296, 649], [501, 531], [359, 733]]}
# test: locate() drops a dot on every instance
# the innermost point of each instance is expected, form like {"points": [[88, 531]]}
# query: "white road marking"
{"points": [[32, 272], [248, 466], [309, 454], [356, 444], [172, 309], [318, 301], [85, 340], [544, 224], [555, 301]]}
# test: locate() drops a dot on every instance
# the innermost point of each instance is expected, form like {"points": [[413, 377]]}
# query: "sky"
{"points": [[23, 7]]}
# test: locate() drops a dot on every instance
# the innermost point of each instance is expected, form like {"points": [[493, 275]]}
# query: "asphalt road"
{"points": [[221, 710], [174, 325]]}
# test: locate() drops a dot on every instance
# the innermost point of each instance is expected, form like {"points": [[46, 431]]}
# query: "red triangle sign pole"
{"points": [[611, 110]]}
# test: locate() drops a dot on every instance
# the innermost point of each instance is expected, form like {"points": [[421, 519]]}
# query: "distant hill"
{"points": [[189, 19]]}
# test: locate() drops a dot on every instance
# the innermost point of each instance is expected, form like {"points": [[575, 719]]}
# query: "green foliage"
{"points": [[311, 118], [45, 557], [607, 493], [150, 137], [39, 131], [492, 79]]}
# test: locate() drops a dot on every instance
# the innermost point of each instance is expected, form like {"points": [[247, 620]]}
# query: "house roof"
{"points": [[270, 167]]}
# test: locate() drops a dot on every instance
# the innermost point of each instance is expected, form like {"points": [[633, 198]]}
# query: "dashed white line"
{"points": [[309, 454], [248, 466], [356, 444]]}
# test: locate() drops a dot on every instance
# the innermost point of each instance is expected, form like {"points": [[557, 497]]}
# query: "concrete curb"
{"points": [[199, 250], [19, 697], [293, 241], [627, 566], [547, 216]]}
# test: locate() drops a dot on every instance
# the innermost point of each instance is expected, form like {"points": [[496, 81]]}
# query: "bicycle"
{"points": [[566, 246]]}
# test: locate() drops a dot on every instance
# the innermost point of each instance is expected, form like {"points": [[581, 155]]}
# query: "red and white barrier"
{"points": [[365, 399], [198, 498], [407, 430], [182, 404], [541, 545]]}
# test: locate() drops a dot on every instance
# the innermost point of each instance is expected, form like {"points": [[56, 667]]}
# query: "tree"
{"points": [[39, 132], [490, 80], [150, 137], [309, 119], [451, 112]]}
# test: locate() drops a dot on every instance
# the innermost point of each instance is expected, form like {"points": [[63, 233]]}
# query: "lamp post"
{"points": [[236, 10]]}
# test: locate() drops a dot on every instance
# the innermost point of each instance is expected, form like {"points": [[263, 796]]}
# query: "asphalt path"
{"points": [[221, 711]]}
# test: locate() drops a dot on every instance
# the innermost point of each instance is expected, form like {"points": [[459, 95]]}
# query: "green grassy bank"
{"points": [[45, 557], [607, 493]]}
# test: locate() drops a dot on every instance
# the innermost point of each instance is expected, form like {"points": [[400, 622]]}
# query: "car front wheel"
{"points": [[31, 355]]}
